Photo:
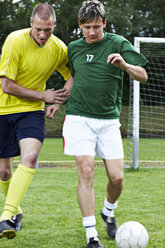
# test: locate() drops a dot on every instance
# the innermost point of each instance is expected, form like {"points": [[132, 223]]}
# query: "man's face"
{"points": [[42, 29], [93, 31]]}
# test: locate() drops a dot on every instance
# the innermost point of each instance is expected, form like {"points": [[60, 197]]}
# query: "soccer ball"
{"points": [[131, 234]]}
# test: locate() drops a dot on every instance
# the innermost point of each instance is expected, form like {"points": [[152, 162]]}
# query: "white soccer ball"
{"points": [[131, 234]]}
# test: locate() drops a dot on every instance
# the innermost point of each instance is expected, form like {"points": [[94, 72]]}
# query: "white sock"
{"points": [[89, 224], [108, 208]]}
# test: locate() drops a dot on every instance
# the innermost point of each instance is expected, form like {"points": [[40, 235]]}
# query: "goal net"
{"points": [[146, 117]]}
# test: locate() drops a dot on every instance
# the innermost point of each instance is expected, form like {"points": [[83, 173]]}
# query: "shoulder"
{"points": [[58, 43], [116, 38], [19, 34], [17, 37], [119, 41], [75, 43]]}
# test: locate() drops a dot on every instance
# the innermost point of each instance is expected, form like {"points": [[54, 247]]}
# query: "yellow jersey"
{"points": [[30, 66]]}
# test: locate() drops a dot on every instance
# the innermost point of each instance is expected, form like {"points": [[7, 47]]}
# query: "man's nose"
{"points": [[42, 34], [92, 31]]}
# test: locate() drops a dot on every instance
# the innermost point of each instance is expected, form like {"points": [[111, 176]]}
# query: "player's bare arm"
{"points": [[136, 72], [11, 88], [51, 110], [68, 86], [63, 94]]}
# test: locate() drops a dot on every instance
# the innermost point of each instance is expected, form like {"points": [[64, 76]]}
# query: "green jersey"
{"points": [[98, 86]]}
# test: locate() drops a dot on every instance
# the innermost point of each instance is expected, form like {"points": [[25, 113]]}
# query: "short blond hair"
{"points": [[44, 11]]}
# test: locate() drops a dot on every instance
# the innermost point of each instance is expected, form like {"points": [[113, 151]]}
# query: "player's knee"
{"points": [[117, 180], [87, 173], [5, 174], [30, 159], [33, 157]]}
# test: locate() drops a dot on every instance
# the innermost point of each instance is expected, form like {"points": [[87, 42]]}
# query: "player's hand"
{"points": [[54, 96], [117, 60], [51, 110], [62, 95]]}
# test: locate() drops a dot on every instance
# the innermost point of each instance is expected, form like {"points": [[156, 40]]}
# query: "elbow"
{"points": [[5, 89], [5, 85], [145, 78]]}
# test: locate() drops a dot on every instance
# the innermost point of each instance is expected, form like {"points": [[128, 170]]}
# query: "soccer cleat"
{"points": [[17, 220], [111, 225], [94, 243], [7, 229]]}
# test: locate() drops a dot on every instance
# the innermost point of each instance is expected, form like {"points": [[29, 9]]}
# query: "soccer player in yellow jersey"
{"points": [[29, 57]]}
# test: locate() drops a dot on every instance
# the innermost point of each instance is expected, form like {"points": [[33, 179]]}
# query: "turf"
{"points": [[52, 218], [52, 150]]}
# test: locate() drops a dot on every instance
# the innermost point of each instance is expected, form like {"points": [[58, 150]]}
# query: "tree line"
{"points": [[130, 18]]}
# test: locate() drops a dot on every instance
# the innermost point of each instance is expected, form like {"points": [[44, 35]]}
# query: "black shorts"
{"points": [[14, 127]]}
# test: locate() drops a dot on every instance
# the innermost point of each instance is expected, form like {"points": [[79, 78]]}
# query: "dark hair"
{"points": [[44, 11], [91, 10]]}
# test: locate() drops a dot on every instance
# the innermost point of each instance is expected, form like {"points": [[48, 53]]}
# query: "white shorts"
{"points": [[85, 136]]}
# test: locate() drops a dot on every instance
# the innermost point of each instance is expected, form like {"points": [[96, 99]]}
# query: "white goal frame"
{"points": [[136, 101]]}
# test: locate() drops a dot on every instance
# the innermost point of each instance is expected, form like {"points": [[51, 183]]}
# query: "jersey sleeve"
{"points": [[131, 56], [63, 67], [10, 58], [70, 61]]}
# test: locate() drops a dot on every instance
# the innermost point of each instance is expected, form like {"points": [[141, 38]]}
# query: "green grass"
{"points": [[51, 213], [52, 151], [52, 217]]}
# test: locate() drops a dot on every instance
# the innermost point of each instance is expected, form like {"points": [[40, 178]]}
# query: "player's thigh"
{"points": [[85, 168], [30, 147], [9, 146], [79, 140], [115, 169]]}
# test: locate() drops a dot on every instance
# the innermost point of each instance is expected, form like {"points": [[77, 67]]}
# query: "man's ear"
{"points": [[105, 23], [79, 25], [31, 21]]}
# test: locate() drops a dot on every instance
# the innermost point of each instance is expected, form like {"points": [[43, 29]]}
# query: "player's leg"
{"points": [[6, 166], [110, 149], [86, 198], [6, 173], [85, 193], [80, 141], [8, 148], [115, 174], [23, 175], [19, 183]]}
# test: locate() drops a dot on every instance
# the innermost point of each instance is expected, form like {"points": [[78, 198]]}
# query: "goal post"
{"points": [[146, 122]]}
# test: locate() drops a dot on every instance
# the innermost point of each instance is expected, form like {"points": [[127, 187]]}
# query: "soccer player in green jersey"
{"points": [[92, 126], [28, 59]]}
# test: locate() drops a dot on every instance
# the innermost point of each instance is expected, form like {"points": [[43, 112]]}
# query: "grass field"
{"points": [[52, 218], [52, 150]]}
